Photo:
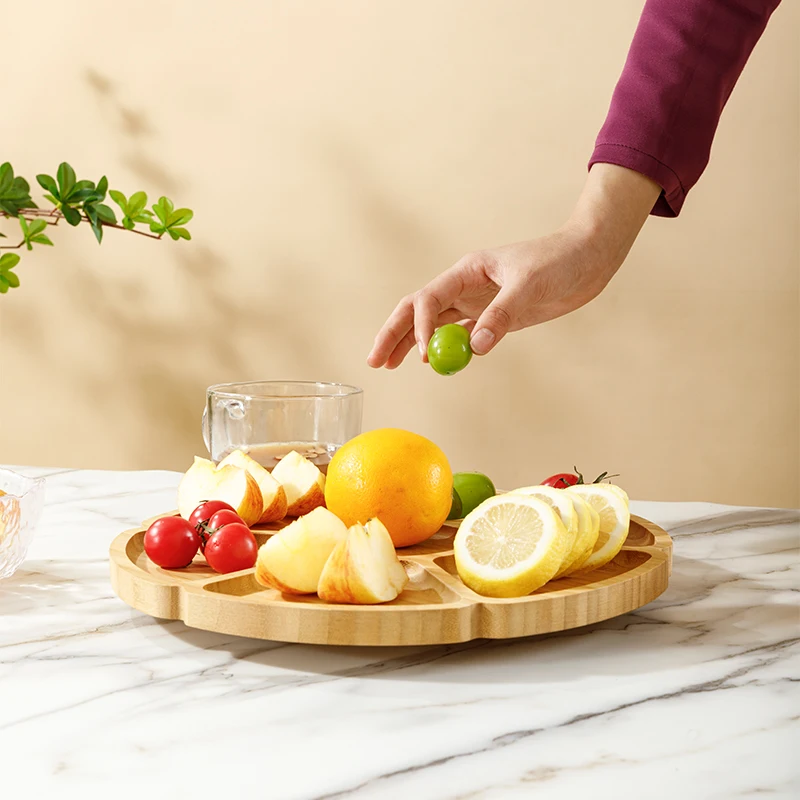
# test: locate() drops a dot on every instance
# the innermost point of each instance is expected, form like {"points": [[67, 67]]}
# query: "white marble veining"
{"points": [[693, 696]]}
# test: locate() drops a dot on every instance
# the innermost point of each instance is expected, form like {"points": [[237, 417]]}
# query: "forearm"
{"points": [[612, 208]]}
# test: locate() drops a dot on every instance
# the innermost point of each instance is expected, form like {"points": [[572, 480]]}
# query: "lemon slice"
{"points": [[590, 526], [564, 506], [611, 504], [510, 545], [588, 530]]}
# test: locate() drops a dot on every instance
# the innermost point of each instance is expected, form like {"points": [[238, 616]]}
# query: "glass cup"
{"points": [[268, 419]]}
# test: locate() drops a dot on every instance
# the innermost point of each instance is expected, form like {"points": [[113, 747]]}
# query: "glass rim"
{"points": [[229, 390]]}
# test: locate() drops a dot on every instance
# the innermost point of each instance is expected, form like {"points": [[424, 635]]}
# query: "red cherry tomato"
{"points": [[564, 479], [223, 517], [206, 510], [171, 542], [231, 548], [561, 480]]}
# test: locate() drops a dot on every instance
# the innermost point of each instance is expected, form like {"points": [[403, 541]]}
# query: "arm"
{"points": [[684, 61], [513, 287]]}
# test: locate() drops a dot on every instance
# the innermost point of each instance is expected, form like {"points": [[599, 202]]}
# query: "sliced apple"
{"points": [[363, 568], [303, 483], [204, 480], [273, 495], [292, 560]]}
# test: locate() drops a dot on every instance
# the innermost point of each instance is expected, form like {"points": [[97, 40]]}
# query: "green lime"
{"points": [[473, 488], [448, 350], [455, 508]]}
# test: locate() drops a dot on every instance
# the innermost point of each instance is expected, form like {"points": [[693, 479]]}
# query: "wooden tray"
{"points": [[435, 608]]}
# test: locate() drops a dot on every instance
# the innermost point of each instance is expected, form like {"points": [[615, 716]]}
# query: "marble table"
{"points": [[693, 696]]}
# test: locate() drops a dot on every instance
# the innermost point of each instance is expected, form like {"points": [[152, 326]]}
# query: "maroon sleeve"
{"points": [[684, 61]]}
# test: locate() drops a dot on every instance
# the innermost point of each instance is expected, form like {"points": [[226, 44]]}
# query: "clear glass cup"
{"points": [[269, 419], [21, 503]]}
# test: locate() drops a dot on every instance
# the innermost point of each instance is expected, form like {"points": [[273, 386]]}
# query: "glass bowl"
{"points": [[21, 503]]}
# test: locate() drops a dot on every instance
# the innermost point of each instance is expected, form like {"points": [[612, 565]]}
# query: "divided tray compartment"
{"points": [[435, 608]]}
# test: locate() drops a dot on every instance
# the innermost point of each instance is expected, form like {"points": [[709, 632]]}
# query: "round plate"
{"points": [[435, 608]]}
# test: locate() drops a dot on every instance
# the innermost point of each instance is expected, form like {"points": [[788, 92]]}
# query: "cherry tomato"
{"points": [[171, 542], [564, 479], [561, 480], [448, 350], [231, 548], [206, 510], [223, 517]]}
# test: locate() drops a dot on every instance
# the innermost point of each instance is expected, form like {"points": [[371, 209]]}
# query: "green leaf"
{"points": [[8, 261], [102, 187], [11, 279], [37, 226], [98, 232], [79, 195], [41, 239], [157, 227], [162, 209], [106, 213], [47, 182], [120, 200], [128, 223], [144, 216], [179, 233], [9, 207], [137, 202], [6, 176], [3, 236], [72, 216], [66, 179], [54, 200], [22, 184], [4, 284], [180, 216], [23, 223]]}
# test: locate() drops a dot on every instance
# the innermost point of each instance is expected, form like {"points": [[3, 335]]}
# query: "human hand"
{"points": [[493, 292]]}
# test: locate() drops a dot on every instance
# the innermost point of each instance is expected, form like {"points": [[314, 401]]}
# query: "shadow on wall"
{"points": [[161, 363]]}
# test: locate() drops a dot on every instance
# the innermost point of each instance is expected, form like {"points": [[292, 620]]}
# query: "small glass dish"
{"points": [[21, 503]]}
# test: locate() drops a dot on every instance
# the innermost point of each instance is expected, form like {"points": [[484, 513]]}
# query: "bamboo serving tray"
{"points": [[435, 608]]}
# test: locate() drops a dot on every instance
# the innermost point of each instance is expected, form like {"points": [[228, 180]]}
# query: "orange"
{"points": [[399, 477]]}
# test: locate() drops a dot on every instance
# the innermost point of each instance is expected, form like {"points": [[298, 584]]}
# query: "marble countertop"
{"points": [[694, 695]]}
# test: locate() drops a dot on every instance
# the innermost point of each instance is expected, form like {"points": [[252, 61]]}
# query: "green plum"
{"points": [[448, 350], [473, 488]]}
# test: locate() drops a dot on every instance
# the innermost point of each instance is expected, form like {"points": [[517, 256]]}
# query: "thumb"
{"points": [[494, 323]]}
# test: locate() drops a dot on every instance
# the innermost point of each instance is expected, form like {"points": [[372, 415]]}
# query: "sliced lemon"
{"points": [[611, 504], [592, 521], [510, 545], [564, 506], [588, 530]]}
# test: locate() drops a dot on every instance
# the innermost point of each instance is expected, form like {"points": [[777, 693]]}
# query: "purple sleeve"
{"points": [[684, 61]]}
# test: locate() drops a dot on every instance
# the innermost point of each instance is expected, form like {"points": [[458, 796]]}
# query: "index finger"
{"points": [[436, 298], [399, 323]]}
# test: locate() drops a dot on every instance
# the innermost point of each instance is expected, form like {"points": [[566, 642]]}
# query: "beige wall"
{"points": [[337, 155]]}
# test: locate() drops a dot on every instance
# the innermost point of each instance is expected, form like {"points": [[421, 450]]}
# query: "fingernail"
{"points": [[482, 342]]}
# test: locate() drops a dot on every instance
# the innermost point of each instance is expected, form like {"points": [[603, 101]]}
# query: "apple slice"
{"points": [[303, 483], [364, 568], [292, 560], [234, 485], [273, 494]]}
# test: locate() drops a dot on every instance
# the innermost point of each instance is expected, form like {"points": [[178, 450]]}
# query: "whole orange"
{"points": [[399, 477]]}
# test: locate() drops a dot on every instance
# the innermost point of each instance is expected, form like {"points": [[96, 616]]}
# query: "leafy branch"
{"points": [[76, 201]]}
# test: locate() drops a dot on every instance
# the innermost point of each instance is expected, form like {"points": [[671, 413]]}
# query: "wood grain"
{"points": [[435, 608]]}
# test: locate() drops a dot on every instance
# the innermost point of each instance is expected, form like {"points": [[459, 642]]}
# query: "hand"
{"points": [[509, 288]]}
